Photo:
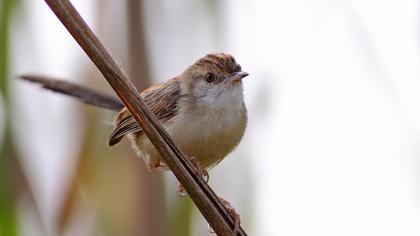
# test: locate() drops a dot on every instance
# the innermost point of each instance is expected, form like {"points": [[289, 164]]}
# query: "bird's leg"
{"points": [[199, 171], [159, 168], [236, 217], [162, 167]]}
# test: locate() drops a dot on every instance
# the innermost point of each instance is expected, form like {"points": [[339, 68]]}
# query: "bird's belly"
{"points": [[209, 139]]}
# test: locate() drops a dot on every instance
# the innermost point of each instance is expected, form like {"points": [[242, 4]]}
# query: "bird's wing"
{"points": [[162, 101]]}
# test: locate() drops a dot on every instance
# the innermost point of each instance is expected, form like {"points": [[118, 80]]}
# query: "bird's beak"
{"points": [[237, 76]]}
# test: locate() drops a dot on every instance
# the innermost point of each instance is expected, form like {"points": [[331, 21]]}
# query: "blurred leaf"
{"points": [[180, 221], [8, 161], [83, 173], [6, 8]]}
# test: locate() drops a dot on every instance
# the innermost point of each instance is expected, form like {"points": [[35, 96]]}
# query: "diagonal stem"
{"points": [[202, 195]]}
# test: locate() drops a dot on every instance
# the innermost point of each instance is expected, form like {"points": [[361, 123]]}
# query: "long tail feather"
{"points": [[84, 94]]}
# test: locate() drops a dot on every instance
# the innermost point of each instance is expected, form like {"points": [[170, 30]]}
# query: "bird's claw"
{"points": [[236, 217], [232, 211], [181, 191]]}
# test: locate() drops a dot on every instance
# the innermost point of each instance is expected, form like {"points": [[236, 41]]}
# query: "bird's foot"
{"points": [[181, 191], [236, 217], [159, 167]]}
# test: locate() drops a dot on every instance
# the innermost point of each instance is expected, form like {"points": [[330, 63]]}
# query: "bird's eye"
{"points": [[210, 77]]}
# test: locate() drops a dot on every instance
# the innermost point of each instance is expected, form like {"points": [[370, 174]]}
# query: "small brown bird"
{"points": [[202, 109]]}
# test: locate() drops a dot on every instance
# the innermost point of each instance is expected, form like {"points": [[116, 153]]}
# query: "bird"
{"points": [[202, 109]]}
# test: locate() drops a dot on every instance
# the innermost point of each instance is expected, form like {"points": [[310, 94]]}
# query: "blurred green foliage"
{"points": [[8, 218]]}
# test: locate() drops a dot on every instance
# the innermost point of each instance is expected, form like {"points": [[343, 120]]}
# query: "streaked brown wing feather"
{"points": [[162, 101], [126, 126]]}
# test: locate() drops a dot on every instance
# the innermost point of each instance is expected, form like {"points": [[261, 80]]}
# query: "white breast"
{"points": [[212, 130]]}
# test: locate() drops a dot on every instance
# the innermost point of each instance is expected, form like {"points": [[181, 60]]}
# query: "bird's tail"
{"points": [[84, 94]]}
